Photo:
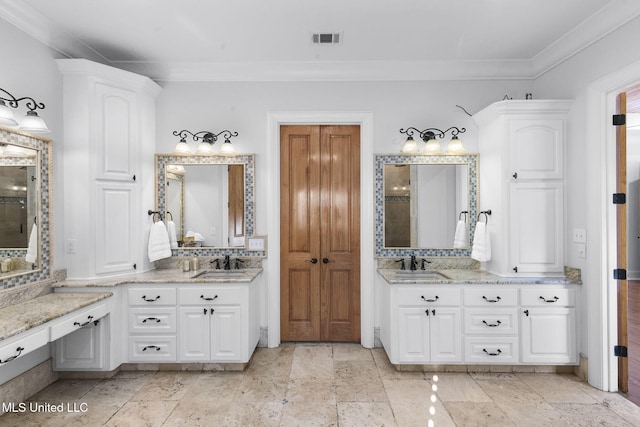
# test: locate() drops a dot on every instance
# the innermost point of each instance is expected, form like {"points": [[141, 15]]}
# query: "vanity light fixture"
{"points": [[432, 145], [31, 121], [207, 139]]}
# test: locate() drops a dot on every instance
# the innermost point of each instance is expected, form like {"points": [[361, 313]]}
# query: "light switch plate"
{"points": [[579, 235], [581, 250], [257, 243]]}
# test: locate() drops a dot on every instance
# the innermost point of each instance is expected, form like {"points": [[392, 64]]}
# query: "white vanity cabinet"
{"points": [[478, 324], [491, 326], [217, 323], [521, 146], [109, 127], [548, 326], [425, 325], [152, 324]]}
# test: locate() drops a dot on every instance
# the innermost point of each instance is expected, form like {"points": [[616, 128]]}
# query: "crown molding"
{"points": [[309, 71], [602, 23], [42, 29]]}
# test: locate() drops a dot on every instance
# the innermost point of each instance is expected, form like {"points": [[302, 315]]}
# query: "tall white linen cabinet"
{"points": [[521, 145], [109, 143]]}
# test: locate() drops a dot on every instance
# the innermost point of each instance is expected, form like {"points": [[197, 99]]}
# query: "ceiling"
{"points": [[270, 40]]}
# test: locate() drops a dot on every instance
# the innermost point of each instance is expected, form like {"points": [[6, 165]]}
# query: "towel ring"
{"points": [[486, 215], [154, 213], [169, 214], [461, 214]]}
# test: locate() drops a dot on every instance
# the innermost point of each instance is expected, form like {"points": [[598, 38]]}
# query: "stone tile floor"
{"points": [[327, 385]]}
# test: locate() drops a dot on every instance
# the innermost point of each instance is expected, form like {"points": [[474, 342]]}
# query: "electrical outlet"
{"points": [[581, 250], [256, 244], [579, 235]]}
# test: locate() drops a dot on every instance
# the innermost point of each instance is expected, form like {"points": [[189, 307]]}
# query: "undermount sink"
{"points": [[209, 274], [421, 274]]}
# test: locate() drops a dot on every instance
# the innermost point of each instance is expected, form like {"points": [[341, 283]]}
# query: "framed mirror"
{"points": [[25, 177], [210, 199], [419, 201]]}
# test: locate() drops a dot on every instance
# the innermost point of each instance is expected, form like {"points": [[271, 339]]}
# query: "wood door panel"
{"points": [[621, 223], [300, 291], [320, 233], [340, 236]]}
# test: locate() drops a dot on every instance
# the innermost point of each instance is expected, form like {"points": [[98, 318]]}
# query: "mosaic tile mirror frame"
{"points": [[25, 272], [472, 162], [248, 160]]}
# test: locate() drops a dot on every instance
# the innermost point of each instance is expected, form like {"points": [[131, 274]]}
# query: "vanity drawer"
{"points": [[22, 344], [152, 320], [429, 296], [491, 350], [78, 320], [152, 296], [547, 297], [494, 297], [487, 321], [211, 295], [153, 349]]}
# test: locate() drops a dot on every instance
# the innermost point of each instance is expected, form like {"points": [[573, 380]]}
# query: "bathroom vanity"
{"points": [[475, 317], [168, 316]]}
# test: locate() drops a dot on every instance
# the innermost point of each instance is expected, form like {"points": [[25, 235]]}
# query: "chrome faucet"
{"points": [[226, 264]]}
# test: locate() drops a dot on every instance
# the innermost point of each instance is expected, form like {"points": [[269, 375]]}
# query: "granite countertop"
{"points": [[246, 275], [467, 276], [38, 311]]}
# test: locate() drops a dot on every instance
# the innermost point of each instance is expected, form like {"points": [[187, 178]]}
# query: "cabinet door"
{"points": [[193, 330], [226, 333], [413, 335], [548, 335], [445, 332], [82, 349], [116, 237], [536, 147], [116, 132], [536, 237]]}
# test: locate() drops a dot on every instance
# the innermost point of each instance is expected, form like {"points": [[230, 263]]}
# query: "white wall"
{"points": [[28, 69]]}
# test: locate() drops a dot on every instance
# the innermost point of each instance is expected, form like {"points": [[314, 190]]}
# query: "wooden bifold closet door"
{"points": [[320, 233]]}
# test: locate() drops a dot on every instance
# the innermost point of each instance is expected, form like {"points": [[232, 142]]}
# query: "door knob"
{"points": [[326, 260], [312, 260]]}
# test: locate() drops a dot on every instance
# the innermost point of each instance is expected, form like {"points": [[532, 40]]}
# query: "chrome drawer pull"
{"points": [[207, 298], [492, 354], [151, 347], [491, 300], [144, 297], [492, 325], [151, 318], [430, 299], [19, 350], [549, 300]]}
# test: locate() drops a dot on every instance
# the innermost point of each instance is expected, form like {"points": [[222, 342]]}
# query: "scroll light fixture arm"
{"points": [[205, 135], [13, 102], [431, 133]]}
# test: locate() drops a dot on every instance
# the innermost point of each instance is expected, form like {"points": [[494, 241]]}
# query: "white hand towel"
{"points": [[481, 243], [32, 249], [159, 246], [171, 229], [461, 238]]}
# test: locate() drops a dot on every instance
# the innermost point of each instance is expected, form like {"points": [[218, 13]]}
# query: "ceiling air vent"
{"points": [[326, 38]]}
